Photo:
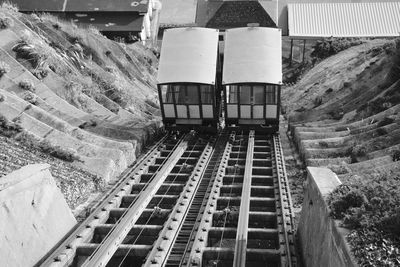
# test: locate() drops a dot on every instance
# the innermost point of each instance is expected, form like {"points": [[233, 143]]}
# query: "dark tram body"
{"points": [[252, 77], [187, 79], [190, 79]]}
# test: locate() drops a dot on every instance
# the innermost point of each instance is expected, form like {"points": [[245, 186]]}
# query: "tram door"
{"points": [[187, 105], [251, 101]]}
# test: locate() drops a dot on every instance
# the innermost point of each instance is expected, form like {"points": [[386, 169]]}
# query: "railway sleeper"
{"points": [[145, 218], [175, 178], [162, 201], [211, 255]]}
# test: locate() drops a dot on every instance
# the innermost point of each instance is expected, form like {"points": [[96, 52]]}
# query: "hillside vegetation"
{"points": [[73, 98], [344, 115]]}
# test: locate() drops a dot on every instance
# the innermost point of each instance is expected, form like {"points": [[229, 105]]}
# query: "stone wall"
{"points": [[34, 215], [322, 240]]}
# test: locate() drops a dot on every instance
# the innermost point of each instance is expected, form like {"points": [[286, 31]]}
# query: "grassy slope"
{"points": [[344, 114], [76, 78]]}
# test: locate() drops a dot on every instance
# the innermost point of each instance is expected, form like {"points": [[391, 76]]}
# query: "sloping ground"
{"points": [[90, 100], [344, 115]]}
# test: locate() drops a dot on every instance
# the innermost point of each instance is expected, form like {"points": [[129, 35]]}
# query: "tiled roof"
{"points": [[233, 14], [381, 19]]}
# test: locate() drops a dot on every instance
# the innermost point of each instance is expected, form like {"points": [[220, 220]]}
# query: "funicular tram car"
{"points": [[251, 78], [187, 79]]}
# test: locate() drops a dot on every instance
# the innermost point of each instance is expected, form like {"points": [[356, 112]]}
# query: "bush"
{"points": [[355, 152], [5, 22], [9, 128], [9, 6], [381, 131], [385, 121], [2, 98], [27, 85], [332, 46], [40, 73], [31, 98], [4, 68], [396, 155], [57, 151], [369, 203]]}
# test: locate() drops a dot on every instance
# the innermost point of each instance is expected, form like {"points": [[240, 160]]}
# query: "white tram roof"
{"points": [[252, 55], [188, 55]]}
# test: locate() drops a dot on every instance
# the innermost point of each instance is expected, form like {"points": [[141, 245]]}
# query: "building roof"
{"points": [[380, 19], [233, 14], [110, 22], [252, 55], [82, 5], [178, 12], [188, 55]]}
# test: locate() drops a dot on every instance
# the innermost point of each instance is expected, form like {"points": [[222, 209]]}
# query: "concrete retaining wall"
{"points": [[34, 215], [321, 239]]}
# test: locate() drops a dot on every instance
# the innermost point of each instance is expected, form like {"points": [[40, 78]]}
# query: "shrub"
{"points": [[57, 151], [2, 98], [4, 68], [317, 101], [332, 46], [31, 98], [27, 85], [368, 203], [381, 131], [5, 22], [9, 128], [385, 121], [9, 6], [336, 114], [323, 144], [40, 73], [29, 52], [355, 152], [396, 155]]}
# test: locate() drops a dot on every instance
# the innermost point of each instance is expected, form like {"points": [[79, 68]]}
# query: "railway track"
{"points": [[192, 201]]}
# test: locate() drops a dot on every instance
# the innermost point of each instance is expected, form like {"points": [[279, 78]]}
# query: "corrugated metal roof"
{"points": [[344, 19], [252, 55], [188, 55]]}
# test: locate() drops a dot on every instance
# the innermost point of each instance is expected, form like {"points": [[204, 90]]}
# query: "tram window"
{"points": [[180, 94], [245, 94], [270, 96], [258, 94], [167, 93], [192, 94], [206, 94], [232, 95]]}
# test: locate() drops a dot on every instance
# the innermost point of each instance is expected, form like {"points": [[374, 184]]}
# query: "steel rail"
{"points": [[167, 237], [63, 254], [283, 186], [166, 196], [121, 230], [230, 191], [239, 259], [199, 242]]}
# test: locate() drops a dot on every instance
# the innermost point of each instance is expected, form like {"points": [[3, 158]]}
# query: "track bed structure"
{"points": [[192, 200]]}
